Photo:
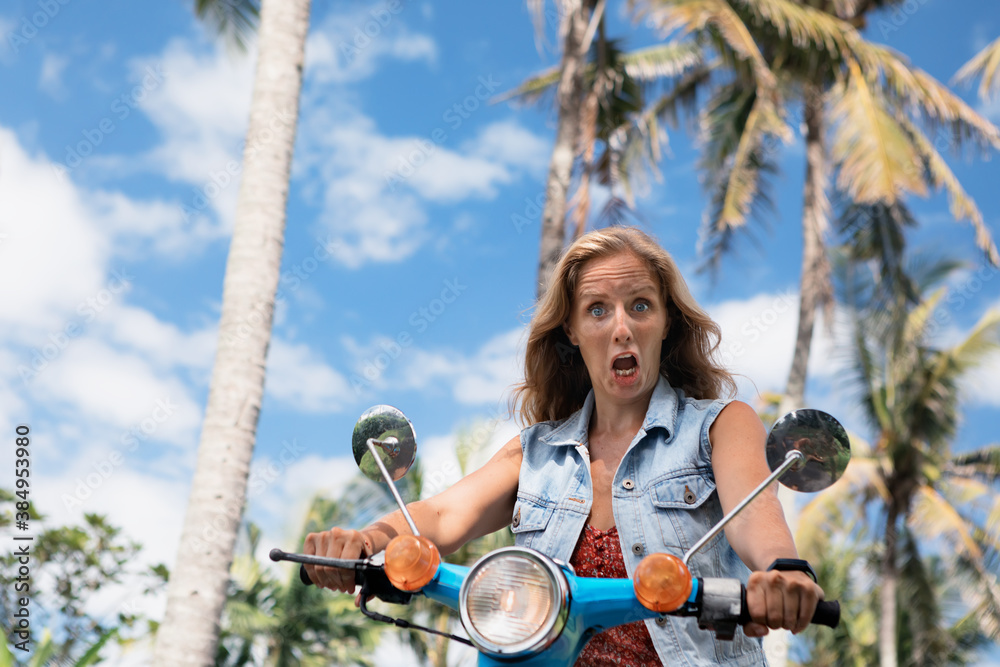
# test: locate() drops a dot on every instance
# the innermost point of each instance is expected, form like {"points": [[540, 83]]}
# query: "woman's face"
{"points": [[619, 320]]}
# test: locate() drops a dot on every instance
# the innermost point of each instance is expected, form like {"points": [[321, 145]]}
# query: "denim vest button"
{"points": [[637, 549], [628, 484], [661, 621]]}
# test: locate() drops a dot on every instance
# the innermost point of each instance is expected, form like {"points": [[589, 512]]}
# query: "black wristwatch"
{"points": [[793, 565]]}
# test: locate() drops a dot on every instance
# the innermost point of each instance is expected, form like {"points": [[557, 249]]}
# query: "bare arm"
{"points": [[478, 504], [759, 534]]}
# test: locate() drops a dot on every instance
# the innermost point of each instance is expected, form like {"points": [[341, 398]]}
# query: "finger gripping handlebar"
{"points": [[827, 613]]}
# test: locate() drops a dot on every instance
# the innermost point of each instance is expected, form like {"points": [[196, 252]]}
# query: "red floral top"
{"points": [[599, 554]]}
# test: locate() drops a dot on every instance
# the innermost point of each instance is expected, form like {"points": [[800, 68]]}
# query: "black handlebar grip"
{"points": [[827, 613], [304, 576]]}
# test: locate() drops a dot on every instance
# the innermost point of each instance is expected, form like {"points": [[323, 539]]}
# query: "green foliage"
{"points": [[235, 20], [70, 567], [946, 561], [289, 623]]}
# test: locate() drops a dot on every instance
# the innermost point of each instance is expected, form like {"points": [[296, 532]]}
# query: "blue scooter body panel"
{"points": [[595, 604]]}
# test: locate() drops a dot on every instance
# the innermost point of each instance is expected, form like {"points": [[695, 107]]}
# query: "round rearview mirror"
{"points": [[392, 434], [822, 441]]}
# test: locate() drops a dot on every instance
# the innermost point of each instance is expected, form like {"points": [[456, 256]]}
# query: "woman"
{"points": [[630, 451]]}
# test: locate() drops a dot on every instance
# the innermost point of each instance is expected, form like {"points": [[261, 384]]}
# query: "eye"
{"points": [[596, 311], [641, 307]]}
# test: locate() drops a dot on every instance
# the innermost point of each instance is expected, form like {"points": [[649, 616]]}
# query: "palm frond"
{"points": [[916, 323], [742, 184], [876, 233], [807, 27], [933, 516], [693, 16], [735, 124], [916, 89], [962, 205], [669, 60], [862, 481], [984, 340], [985, 64], [682, 96], [235, 20], [532, 89], [876, 159], [983, 463]]}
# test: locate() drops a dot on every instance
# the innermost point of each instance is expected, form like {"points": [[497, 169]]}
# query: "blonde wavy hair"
{"points": [[556, 381]]}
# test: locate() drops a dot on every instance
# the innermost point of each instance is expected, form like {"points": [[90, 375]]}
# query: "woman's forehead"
{"points": [[621, 270]]}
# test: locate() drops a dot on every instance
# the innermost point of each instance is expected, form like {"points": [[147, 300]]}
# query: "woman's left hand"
{"points": [[780, 599]]}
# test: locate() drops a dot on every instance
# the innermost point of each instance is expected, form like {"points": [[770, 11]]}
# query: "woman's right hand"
{"points": [[336, 543]]}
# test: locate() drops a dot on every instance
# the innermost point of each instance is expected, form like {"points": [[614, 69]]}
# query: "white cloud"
{"points": [[758, 337], [200, 102], [509, 143], [50, 80], [349, 47], [982, 385], [299, 378], [50, 249], [282, 487], [482, 378], [375, 187], [101, 384], [163, 343]]}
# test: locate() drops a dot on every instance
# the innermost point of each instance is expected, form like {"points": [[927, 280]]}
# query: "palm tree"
{"points": [[619, 134], [197, 589], [291, 624], [575, 17], [925, 494], [862, 105]]}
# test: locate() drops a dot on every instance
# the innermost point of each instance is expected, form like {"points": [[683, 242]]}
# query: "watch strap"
{"points": [[793, 565]]}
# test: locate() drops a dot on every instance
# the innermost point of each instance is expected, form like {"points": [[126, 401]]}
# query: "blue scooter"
{"points": [[520, 607]]}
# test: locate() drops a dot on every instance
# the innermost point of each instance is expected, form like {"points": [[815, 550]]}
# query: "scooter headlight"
{"points": [[514, 602]]}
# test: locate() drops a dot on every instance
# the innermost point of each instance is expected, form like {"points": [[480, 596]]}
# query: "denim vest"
{"points": [[663, 498]]}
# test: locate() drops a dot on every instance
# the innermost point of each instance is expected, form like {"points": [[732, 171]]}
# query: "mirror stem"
{"points": [[793, 457], [392, 487]]}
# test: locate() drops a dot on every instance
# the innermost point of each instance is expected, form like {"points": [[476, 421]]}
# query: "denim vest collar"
{"points": [[662, 413]]}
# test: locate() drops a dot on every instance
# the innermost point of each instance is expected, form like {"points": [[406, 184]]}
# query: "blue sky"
{"points": [[116, 129]]}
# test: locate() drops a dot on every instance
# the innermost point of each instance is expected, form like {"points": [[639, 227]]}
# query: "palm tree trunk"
{"points": [[812, 284], [887, 596], [815, 270], [197, 590], [568, 97]]}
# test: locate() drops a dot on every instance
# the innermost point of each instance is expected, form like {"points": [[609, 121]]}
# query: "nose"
{"points": [[622, 332]]}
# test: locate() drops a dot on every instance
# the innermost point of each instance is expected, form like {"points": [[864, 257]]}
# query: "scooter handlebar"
{"points": [[827, 613], [368, 575]]}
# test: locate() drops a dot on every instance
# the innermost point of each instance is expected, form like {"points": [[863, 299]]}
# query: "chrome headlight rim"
{"points": [[547, 633]]}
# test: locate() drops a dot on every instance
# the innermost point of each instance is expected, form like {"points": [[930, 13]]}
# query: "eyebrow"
{"points": [[637, 289]]}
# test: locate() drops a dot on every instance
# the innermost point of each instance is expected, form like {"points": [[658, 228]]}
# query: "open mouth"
{"points": [[625, 365]]}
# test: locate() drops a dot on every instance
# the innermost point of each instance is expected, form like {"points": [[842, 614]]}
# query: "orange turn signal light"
{"points": [[411, 561], [662, 582]]}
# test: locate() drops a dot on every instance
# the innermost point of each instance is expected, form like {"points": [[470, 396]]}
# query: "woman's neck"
{"points": [[617, 420]]}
